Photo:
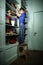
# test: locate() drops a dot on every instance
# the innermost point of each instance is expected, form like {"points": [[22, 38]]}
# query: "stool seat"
{"points": [[22, 50]]}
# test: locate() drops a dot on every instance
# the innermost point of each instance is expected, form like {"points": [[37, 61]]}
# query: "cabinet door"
{"points": [[2, 58], [2, 11], [2, 23], [38, 30]]}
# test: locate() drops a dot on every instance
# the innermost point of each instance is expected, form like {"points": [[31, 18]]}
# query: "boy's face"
{"points": [[21, 11]]}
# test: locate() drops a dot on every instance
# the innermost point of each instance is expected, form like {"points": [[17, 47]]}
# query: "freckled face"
{"points": [[21, 11]]}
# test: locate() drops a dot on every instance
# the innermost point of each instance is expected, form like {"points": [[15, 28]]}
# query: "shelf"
{"points": [[12, 8], [25, 22], [11, 34], [24, 3], [12, 26], [25, 28], [8, 46], [25, 34], [11, 16], [12, 1], [24, 0]]}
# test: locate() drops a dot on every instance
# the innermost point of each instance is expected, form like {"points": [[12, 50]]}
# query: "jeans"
{"points": [[21, 34]]}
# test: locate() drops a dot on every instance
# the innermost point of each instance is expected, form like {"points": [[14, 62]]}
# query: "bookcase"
{"points": [[8, 50]]}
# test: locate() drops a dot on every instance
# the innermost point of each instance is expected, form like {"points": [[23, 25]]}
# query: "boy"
{"points": [[21, 15]]}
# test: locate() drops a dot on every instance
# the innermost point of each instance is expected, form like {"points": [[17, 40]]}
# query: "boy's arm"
{"points": [[18, 14], [17, 11]]}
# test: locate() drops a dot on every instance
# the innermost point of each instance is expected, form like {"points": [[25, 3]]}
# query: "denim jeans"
{"points": [[21, 34]]}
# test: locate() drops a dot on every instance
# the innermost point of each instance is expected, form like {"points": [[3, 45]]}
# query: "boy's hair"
{"points": [[22, 9]]}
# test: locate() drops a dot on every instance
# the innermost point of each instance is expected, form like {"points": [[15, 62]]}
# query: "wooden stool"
{"points": [[22, 50]]}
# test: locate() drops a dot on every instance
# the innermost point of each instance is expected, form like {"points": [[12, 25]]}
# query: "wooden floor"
{"points": [[34, 58]]}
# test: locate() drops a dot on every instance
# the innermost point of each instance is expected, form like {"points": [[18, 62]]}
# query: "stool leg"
{"points": [[26, 58]]}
